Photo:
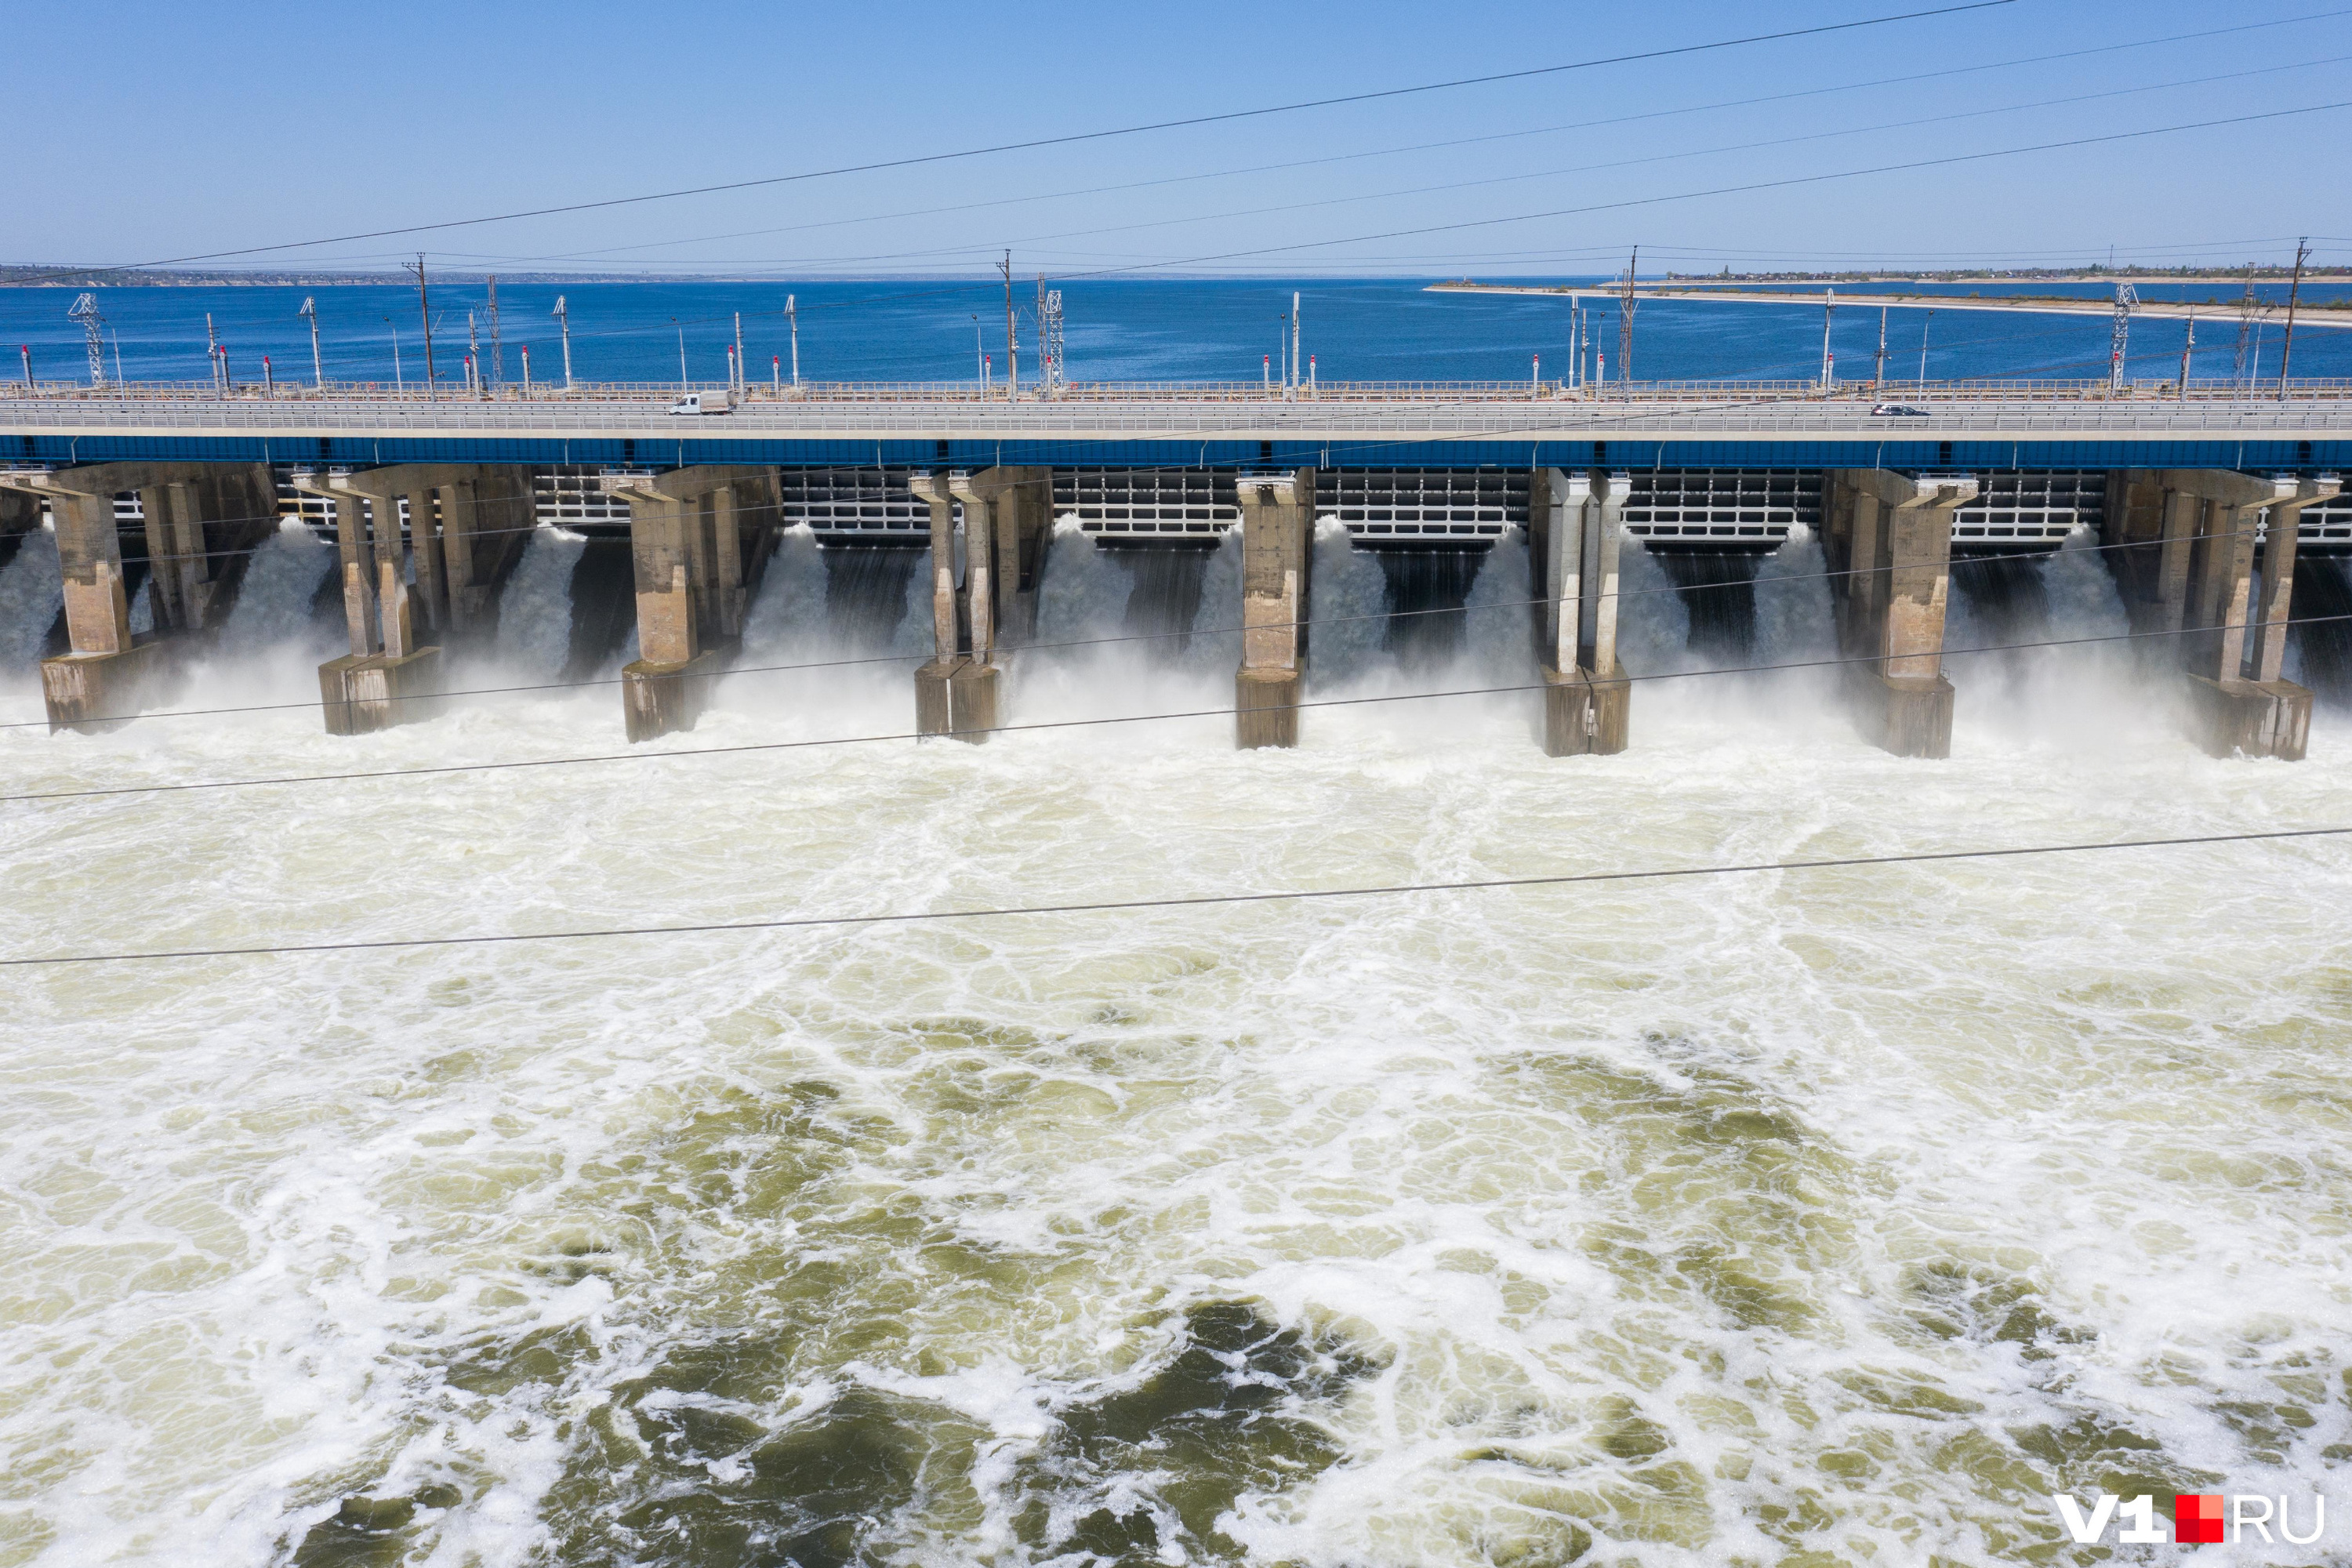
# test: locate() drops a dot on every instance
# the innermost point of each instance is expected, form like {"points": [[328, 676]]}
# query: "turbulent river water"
{"points": [[1832, 1216]]}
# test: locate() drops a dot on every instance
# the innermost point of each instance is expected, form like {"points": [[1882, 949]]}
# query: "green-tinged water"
{"points": [[1827, 1217]]}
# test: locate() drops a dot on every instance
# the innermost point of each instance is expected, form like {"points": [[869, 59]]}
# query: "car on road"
{"points": [[1896, 411]]}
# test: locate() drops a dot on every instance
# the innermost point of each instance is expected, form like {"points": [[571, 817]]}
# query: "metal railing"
{"points": [[644, 395]]}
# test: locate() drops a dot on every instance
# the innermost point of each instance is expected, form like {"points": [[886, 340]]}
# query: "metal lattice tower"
{"points": [[2125, 299], [85, 311], [565, 316], [2240, 371], [1049, 328], [311, 310], [1626, 320], [497, 349]]}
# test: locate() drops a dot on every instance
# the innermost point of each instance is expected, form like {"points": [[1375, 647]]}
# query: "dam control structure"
{"points": [[2211, 503]]}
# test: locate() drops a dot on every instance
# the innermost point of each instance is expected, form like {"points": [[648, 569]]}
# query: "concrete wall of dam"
{"points": [[664, 565]]}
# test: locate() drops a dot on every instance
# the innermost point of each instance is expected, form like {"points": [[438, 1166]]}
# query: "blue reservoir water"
{"points": [[1118, 330]]}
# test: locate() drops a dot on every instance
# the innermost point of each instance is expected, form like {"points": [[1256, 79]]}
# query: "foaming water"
{"points": [[2321, 652], [2093, 695], [1653, 618], [277, 601], [1717, 594], [32, 595], [535, 633], [1795, 618], [1835, 1215]]}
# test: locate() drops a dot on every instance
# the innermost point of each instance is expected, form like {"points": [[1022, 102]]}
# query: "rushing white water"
{"points": [[32, 592], [275, 602], [534, 638], [1653, 624], [1794, 618], [1832, 1216]]}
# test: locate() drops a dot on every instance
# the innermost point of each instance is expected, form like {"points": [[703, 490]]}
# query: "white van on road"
{"points": [[705, 402]]}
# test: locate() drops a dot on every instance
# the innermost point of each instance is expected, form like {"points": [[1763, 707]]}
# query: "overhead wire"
{"points": [[1357, 449], [1031, 144], [1458, 142], [1746, 188], [1201, 900], [1458, 184], [747, 748], [1655, 114], [1166, 263], [1307, 624]]}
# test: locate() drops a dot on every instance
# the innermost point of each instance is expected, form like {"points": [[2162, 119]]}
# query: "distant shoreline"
{"points": [[1681, 285], [2318, 312]]}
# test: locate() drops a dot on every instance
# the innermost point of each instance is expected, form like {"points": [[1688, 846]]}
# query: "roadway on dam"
{"points": [[1785, 412]]}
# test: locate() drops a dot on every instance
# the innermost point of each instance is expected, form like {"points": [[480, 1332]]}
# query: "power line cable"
{"points": [[1301, 895], [1455, 142], [1631, 412], [1187, 121], [1958, 564], [1453, 185], [760, 746], [1721, 190]]}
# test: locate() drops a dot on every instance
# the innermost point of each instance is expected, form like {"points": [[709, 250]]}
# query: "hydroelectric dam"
{"points": [[2208, 504]]}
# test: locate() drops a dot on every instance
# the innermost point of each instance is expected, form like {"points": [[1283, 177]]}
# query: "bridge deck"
{"points": [[2313, 412]]}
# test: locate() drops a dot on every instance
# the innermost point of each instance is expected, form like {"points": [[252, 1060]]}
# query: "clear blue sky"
{"points": [[167, 130]]}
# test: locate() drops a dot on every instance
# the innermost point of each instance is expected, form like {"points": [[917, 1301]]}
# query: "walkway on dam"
{"points": [[1763, 411]]}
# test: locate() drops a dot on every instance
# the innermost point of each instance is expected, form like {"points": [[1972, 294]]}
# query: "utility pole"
{"points": [[681, 354], [1923, 349], [2239, 372], [2125, 298], [1625, 323], [473, 355], [311, 309], [793, 317], [564, 317], [741, 375], [85, 311], [399, 384], [425, 308], [1011, 340], [212, 354], [1575, 349], [1049, 344], [2294, 290], [497, 353], [1878, 372], [1294, 340], [1829, 364], [2186, 349]]}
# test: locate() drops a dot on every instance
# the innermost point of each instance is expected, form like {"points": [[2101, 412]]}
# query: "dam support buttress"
{"points": [[1277, 551], [698, 539], [1574, 536], [986, 572], [1889, 543], [202, 521], [462, 526], [2232, 644]]}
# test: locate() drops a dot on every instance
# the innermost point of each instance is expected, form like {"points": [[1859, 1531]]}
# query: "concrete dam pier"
{"points": [[2205, 515]]}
